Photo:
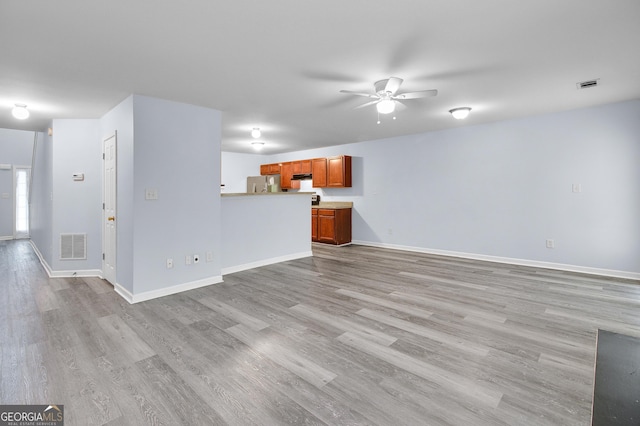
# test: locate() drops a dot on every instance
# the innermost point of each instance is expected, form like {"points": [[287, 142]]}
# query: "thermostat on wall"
{"points": [[78, 176]]}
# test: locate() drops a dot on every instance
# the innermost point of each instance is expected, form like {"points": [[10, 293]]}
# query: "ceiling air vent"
{"points": [[73, 246], [588, 83]]}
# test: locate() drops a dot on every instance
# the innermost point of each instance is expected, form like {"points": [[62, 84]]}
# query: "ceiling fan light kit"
{"points": [[386, 94], [20, 111], [255, 133], [460, 113], [386, 106]]}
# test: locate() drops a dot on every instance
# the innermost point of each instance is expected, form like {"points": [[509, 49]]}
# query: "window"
{"points": [[22, 203]]}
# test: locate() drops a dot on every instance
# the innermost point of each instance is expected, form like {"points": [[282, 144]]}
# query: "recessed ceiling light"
{"points": [[20, 111], [460, 113]]}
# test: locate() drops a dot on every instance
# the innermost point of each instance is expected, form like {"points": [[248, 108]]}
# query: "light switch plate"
{"points": [[150, 194]]}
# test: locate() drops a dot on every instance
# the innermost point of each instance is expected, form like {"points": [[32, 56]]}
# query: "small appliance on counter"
{"points": [[315, 200], [269, 183]]}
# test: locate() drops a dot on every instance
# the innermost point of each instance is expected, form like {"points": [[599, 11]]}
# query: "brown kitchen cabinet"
{"points": [[286, 171], [319, 172], [332, 226], [269, 169], [314, 224], [301, 167], [305, 166], [334, 172], [339, 171]]}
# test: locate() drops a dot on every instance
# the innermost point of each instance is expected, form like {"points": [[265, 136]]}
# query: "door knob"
{"points": [[111, 218]]}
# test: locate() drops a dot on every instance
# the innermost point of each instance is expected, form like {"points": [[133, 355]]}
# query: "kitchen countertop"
{"points": [[334, 205], [251, 194]]}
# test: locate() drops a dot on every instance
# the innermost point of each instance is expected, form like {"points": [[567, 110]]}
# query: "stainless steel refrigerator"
{"points": [[269, 183]]}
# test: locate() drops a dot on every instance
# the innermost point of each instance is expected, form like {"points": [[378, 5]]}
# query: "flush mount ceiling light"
{"points": [[255, 133], [386, 105], [257, 145], [20, 111], [460, 113]]}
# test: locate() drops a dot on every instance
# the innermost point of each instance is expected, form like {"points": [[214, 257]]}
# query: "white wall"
{"points": [[41, 208], [177, 153], [16, 148], [77, 205], [263, 229], [235, 169], [501, 189]]}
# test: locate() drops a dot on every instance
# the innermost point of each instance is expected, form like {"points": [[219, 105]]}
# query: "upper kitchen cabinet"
{"points": [[334, 172], [301, 167], [339, 171], [269, 169], [319, 172], [286, 172]]}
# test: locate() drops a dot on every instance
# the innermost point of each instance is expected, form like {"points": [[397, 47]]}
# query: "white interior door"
{"points": [[109, 209]]}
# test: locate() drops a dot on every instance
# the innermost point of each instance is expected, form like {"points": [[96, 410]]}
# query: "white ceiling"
{"points": [[280, 64]]}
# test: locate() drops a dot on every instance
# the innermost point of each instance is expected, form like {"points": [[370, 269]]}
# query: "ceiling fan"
{"points": [[386, 95]]}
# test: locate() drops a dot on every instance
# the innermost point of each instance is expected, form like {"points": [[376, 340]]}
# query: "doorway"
{"points": [[21, 187]]}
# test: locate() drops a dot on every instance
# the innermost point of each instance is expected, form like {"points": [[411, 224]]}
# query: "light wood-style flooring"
{"points": [[351, 336]]}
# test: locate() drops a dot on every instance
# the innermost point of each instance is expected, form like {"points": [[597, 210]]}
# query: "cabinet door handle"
{"points": [[111, 218]]}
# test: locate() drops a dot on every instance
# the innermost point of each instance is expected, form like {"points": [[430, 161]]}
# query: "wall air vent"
{"points": [[73, 246], [589, 83]]}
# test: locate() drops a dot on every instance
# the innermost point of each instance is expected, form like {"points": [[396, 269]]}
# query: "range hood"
{"points": [[301, 176]]}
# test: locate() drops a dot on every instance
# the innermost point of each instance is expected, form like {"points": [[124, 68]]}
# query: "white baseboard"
{"points": [[265, 262], [43, 262], [154, 294], [509, 260], [80, 273], [64, 274], [6, 238]]}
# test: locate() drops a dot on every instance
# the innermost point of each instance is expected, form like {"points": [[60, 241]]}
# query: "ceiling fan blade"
{"points": [[367, 95], [416, 95], [367, 104], [400, 106], [393, 84]]}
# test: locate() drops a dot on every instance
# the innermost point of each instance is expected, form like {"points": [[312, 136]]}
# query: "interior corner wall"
{"points": [[235, 169], [177, 155], [502, 189], [41, 207], [77, 205], [119, 121], [16, 149]]}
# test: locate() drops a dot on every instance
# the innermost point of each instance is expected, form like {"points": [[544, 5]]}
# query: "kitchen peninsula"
{"points": [[259, 229]]}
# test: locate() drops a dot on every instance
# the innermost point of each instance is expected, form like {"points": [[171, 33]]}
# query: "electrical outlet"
{"points": [[169, 263], [209, 256], [551, 244], [576, 187], [196, 258], [187, 260]]}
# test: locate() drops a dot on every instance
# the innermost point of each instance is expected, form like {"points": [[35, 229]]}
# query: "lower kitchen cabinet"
{"points": [[331, 226], [314, 224]]}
